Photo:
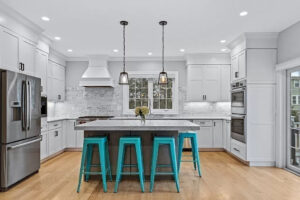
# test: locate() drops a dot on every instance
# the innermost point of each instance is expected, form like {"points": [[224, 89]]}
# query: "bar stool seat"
{"points": [[125, 141], [86, 158], [170, 141], [196, 159]]}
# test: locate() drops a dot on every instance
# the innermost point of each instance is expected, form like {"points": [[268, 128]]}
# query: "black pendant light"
{"points": [[123, 79], [163, 76]]}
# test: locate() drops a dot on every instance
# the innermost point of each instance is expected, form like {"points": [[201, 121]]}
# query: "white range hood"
{"points": [[97, 74]]}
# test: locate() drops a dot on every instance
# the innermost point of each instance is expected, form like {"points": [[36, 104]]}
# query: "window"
{"points": [[144, 90], [296, 99], [296, 84]]}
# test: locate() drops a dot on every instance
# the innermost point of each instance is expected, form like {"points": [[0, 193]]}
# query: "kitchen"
{"points": [[231, 96]]}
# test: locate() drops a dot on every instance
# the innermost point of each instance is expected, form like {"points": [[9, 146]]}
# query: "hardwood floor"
{"points": [[223, 178]]}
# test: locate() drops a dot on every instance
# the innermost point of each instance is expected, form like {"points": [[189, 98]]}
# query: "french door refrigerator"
{"points": [[20, 127]]}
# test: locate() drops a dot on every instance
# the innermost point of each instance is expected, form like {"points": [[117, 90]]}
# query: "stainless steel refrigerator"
{"points": [[20, 126]]}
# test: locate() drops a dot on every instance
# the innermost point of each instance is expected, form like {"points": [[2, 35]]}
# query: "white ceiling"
{"points": [[92, 26]]}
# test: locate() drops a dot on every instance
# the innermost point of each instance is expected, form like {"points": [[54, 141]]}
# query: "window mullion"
{"points": [[150, 93]]}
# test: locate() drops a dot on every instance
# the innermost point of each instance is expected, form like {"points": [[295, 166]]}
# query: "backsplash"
{"points": [[82, 101]]}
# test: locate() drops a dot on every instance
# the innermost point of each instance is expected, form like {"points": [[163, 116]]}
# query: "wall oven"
{"points": [[238, 97], [238, 127]]}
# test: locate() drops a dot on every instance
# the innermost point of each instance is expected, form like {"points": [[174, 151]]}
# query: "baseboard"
{"points": [[52, 156], [72, 149], [237, 158], [262, 163]]}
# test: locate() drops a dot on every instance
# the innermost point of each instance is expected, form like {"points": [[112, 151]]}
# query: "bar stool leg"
{"points": [[83, 156], [103, 164], [194, 151], [138, 151], [108, 161], [174, 164], [153, 165], [89, 160], [180, 147], [197, 155], [119, 166]]}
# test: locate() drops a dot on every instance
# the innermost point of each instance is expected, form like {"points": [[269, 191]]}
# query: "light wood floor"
{"points": [[223, 178]]}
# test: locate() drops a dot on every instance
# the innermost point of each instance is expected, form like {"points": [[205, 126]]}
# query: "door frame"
{"points": [[288, 121]]}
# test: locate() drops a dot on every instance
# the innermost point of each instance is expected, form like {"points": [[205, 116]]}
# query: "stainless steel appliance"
{"points": [[20, 127], [43, 106], [238, 127], [239, 97]]}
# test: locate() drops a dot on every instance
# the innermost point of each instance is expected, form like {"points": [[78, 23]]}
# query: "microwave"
{"points": [[43, 106]]}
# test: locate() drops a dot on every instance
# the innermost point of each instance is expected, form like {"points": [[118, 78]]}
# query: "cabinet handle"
{"points": [[20, 66], [205, 97], [23, 67], [236, 149], [55, 125], [56, 133], [59, 97], [236, 74], [214, 123]]}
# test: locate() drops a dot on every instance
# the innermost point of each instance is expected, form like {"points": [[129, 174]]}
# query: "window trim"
{"points": [[151, 74]]}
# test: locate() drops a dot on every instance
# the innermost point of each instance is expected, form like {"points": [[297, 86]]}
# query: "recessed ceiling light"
{"points": [[243, 13], [224, 50], [149, 53], [182, 50], [45, 18], [57, 38], [70, 50], [223, 41], [116, 50]]}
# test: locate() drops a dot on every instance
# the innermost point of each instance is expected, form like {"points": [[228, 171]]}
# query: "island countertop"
{"points": [[137, 125]]}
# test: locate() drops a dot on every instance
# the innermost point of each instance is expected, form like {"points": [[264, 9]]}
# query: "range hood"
{"points": [[97, 74]]}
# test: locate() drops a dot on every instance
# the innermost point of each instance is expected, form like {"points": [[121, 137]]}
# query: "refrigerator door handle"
{"points": [[24, 144], [28, 110], [23, 107]]}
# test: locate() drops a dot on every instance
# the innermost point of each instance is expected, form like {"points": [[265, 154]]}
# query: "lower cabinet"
{"points": [[55, 140], [74, 139], [44, 145], [210, 134]]}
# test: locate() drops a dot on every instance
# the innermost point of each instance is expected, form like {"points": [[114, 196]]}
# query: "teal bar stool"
{"points": [[170, 141], [196, 159], [125, 141], [86, 159]]}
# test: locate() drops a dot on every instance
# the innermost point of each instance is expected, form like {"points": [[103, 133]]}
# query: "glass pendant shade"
{"points": [[123, 79], [163, 78]]}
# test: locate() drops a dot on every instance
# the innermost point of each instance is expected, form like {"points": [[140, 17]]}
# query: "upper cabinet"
{"points": [[55, 82], [238, 66], [27, 56], [41, 62], [206, 83], [9, 50]]}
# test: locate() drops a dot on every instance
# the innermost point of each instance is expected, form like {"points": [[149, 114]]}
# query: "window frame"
{"points": [[297, 81], [297, 98], [150, 75]]}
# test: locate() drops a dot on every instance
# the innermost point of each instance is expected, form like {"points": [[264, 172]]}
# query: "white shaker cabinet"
{"points": [[44, 145], [79, 139], [225, 83], [238, 66], [27, 56], [41, 69], [217, 134], [55, 140], [70, 134], [55, 82], [227, 134], [205, 137], [9, 50]]}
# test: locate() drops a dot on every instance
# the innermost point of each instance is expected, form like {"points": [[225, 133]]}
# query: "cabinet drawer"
{"points": [[55, 141], [54, 125], [238, 149], [203, 122]]}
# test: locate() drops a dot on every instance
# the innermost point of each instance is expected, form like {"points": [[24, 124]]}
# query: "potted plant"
{"points": [[142, 111]]}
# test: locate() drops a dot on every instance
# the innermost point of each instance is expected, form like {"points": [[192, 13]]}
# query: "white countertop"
{"points": [[136, 125]]}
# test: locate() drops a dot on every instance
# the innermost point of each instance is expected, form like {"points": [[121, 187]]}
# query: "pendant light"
{"points": [[123, 79], [163, 76]]}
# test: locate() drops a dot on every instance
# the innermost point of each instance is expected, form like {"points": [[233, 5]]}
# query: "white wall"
{"points": [[289, 43]]}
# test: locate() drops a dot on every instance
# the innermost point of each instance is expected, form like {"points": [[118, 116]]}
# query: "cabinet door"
{"points": [[211, 83], [205, 137], [44, 145], [227, 130], [217, 134], [195, 90], [41, 69], [71, 134], [234, 68], [9, 50], [27, 52], [242, 65], [50, 89], [79, 139], [55, 141], [225, 83]]}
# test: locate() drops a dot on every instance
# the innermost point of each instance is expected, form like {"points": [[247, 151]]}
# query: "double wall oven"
{"points": [[238, 110]]}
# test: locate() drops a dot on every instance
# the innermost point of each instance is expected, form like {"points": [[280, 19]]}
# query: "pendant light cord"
{"points": [[163, 47], [124, 48]]}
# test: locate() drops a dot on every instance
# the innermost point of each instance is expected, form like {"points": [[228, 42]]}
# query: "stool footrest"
{"points": [[164, 165], [130, 173], [164, 173], [93, 173]]}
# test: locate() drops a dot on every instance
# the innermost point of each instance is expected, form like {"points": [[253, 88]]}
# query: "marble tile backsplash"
{"points": [[95, 101]]}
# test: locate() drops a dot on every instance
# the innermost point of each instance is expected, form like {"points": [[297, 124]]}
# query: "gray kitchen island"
{"points": [[114, 129]]}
